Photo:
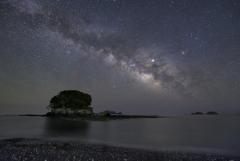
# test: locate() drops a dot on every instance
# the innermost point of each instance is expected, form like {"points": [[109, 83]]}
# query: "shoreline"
{"points": [[93, 117], [37, 149]]}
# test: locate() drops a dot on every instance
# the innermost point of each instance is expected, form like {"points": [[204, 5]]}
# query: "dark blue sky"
{"points": [[137, 57]]}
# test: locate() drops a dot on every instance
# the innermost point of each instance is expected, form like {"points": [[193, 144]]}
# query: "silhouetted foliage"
{"points": [[72, 99]]}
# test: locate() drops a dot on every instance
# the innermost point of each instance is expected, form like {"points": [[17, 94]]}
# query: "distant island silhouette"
{"points": [[197, 113], [211, 113], [208, 113]]}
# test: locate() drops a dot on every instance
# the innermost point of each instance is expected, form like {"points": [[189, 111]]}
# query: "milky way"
{"points": [[153, 57]]}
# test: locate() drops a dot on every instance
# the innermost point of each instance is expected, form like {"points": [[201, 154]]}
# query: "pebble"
{"points": [[30, 149]]}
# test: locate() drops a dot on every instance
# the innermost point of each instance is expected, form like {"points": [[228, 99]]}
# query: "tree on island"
{"points": [[70, 99]]}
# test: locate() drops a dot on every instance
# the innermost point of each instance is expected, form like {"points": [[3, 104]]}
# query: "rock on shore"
{"points": [[33, 149]]}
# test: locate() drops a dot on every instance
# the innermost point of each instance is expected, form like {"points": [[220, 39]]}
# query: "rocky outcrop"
{"points": [[70, 112], [105, 113], [110, 112], [115, 113]]}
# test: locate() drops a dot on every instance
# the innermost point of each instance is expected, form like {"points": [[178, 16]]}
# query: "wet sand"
{"points": [[34, 149]]}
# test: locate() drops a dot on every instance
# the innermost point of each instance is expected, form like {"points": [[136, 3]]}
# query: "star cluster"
{"points": [[138, 57]]}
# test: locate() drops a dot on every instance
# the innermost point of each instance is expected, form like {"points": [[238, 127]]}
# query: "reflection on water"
{"points": [[64, 128], [218, 134]]}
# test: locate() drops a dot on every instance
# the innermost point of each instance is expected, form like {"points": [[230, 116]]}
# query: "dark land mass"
{"points": [[211, 113], [34, 149], [110, 112], [31, 115], [197, 113], [98, 117], [112, 117]]}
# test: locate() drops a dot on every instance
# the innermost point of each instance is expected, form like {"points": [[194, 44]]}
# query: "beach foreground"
{"points": [[34, 149]]}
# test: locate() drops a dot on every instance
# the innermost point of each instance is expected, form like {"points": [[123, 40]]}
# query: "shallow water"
{"points": [[208, 134]]}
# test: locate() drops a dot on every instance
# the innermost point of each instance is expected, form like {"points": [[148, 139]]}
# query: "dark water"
{"points": [[209, 134]]}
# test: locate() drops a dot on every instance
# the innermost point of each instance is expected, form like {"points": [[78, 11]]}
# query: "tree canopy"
{"points": [[72, 99]]}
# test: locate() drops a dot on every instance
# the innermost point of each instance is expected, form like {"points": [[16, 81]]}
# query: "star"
{"points": [[99, 47]]}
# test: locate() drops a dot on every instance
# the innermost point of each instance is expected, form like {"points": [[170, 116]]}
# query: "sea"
{"points": [[211, 134]]}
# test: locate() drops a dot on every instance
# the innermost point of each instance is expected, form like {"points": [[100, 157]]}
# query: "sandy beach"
{"points": [[34, 149]]}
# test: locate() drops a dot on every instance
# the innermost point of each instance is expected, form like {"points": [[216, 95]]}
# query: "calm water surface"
{"points": [[211, 134]]}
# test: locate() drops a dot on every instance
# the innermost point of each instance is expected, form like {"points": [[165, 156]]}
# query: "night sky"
{"points": [[161, 57]]}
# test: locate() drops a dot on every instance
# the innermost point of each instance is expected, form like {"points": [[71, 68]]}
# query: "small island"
{"points": [[75, 105], [197, 113], [211, 113]]}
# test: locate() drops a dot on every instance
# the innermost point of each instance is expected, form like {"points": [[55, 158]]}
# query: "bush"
{"points": [[72, 99]]}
